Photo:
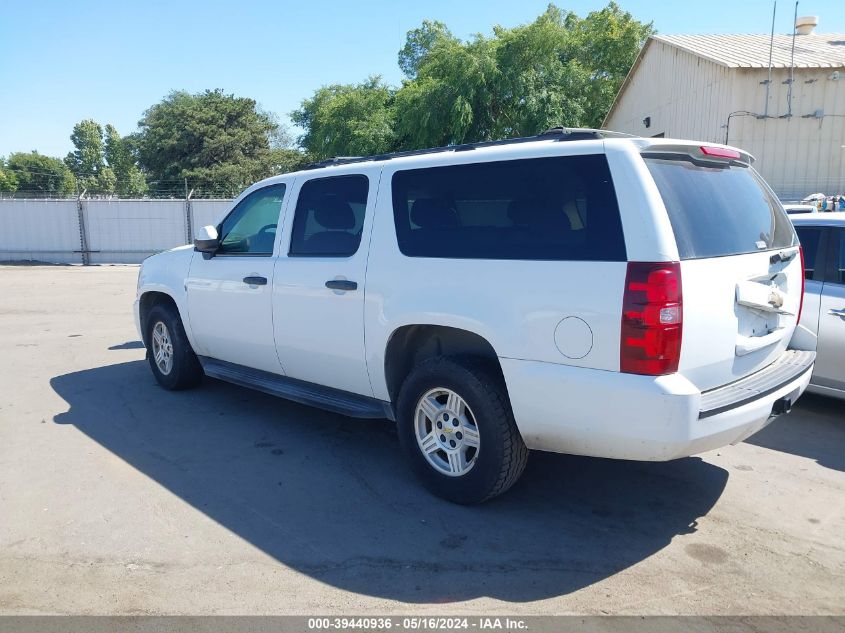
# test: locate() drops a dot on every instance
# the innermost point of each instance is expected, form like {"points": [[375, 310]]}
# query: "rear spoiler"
{"points": [[705, 155]]}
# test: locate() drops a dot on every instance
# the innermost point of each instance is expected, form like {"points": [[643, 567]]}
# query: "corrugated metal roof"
{"points": [[817, 50]]}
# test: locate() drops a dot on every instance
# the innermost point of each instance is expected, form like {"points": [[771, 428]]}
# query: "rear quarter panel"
{"points": [[648, 232], [515, 305]]}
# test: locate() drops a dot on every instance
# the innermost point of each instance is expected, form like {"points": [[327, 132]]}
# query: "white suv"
{"points": [[578, 292]]}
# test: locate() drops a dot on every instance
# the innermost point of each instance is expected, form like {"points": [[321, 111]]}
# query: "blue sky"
{"points": [[63, 61]]}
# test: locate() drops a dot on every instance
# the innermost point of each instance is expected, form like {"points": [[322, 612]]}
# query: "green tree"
{"points": [[286, 159], [420, 42], [103, 161], [129, 181], [8, 180], [607, 44], [540, 82], [218, 141], [87, 161], [347, 120], [39, 175], [451, 98], [560, 69]]}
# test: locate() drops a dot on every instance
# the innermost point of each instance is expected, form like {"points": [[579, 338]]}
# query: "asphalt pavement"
{"points": [[117, 497]]}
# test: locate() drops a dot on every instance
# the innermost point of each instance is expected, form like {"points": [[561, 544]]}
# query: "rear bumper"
{"points": [[623, 416], [788, 366]]}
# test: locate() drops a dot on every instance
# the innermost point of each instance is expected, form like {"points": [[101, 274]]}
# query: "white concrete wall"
{"points": [[43, 230], [126, 231], [117, 231], [207, 212], [690, 97]]}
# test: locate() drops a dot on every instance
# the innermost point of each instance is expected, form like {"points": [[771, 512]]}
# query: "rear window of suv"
{"points": [[718, 211], [558, 208]]}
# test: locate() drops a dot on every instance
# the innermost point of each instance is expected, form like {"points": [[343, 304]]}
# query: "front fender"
{"points": [[165, 273]]}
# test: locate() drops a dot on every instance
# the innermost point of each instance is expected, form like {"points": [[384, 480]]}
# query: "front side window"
{"points": [[840, 268], [250, 229], [329, 217], [558, 208]]}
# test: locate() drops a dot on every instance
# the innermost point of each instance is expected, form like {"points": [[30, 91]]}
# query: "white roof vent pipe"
{"points": [[805, 24]]}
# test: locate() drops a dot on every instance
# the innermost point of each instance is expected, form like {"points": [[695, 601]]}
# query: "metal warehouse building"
{"points": [[788, 112]]}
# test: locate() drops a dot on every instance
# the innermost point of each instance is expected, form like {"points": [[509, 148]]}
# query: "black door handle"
{"points": [[341, 284], [255, 281]]}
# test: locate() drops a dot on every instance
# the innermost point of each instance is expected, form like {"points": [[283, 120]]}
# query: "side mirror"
{"points": [[206, 240]]}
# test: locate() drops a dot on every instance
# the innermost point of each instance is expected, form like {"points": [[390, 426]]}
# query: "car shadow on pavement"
{"points": [[815, 428], [127, 345], [330, 496]]}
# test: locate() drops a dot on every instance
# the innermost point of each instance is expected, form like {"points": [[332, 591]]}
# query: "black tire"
{"points": [[502, 454], [186, 371]]}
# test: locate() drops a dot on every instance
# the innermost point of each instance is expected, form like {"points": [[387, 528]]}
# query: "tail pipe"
{"points": [[782, 406]]}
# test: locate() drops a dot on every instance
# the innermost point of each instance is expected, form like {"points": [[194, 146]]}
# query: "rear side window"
{"points": [[718, 211], [561, 208], [810, 239], [329, 217]]}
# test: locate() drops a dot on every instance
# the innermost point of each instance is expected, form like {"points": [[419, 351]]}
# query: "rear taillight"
{"points": [[803, 281], [652, 318]]}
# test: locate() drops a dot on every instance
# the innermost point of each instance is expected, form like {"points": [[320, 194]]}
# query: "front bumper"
{"points": [[581, 411]]}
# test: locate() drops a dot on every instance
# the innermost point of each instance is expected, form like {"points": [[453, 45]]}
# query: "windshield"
{"points": [[718, 211]]}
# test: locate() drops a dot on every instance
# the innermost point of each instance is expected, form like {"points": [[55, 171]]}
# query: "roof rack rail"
{"points": [[337, 160], [552, 134]]}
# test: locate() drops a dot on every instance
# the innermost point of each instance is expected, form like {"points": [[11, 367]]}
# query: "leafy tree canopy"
{"points": [[419, 43], [39, 175], [87, 161], [347, 120], [560, 69], [8, 180], [211, 138], [103, 162], [128, 179], [607, 44]]}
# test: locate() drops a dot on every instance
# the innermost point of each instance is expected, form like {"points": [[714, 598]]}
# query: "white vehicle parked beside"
{"points": [[578, 292]]}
